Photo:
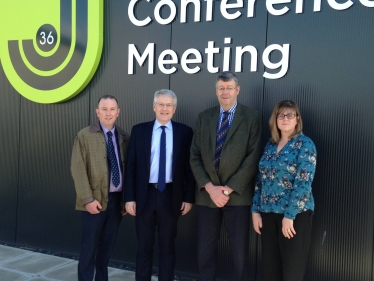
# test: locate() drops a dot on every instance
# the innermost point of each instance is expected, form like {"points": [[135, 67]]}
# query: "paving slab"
{"points": [[66, 272], [12, 276], [9, 252], [34, 263]]}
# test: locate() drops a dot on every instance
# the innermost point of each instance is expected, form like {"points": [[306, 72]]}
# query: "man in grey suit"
{"points": [[224, 155]]}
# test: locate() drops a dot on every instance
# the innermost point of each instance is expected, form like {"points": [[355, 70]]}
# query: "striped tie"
{"points": [[221, 136]]}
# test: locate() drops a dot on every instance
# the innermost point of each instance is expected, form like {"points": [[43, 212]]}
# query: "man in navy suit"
{"points": [[159, 185]]}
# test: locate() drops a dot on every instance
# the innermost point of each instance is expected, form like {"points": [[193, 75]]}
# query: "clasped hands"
{"points": [[219, 194]]}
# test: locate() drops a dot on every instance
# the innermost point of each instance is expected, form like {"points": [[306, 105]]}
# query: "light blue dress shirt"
{"points": [[155, 151]]}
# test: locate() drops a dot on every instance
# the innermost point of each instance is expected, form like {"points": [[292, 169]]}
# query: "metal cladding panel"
{"points": [[331, 78], [46, 197], [9, 138]]}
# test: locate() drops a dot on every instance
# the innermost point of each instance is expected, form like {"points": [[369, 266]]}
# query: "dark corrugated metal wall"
{"points": [[330, 76]]}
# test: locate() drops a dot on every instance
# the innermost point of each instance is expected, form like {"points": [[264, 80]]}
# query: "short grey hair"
{"points": [[227, 76], [165, 92]]}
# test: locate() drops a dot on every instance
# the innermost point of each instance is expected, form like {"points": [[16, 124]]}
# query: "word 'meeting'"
{"points": [[193, 56]]}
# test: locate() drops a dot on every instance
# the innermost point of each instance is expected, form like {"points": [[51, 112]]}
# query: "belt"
{"points": [[155, 185]]}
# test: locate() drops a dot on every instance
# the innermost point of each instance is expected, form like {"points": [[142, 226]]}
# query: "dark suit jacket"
{"points": [[139, 162], [239, 156]]}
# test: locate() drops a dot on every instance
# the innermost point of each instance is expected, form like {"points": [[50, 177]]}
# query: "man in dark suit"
{"points": [[224, 156], [159, 185], [97, 167]]}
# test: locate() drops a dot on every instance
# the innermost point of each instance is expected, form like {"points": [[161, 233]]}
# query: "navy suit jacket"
{"points": [[138, 166]]}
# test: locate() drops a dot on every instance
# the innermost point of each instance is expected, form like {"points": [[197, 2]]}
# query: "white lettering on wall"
{"points": [[193, 56], [209, 10], [273, 11], [225, 7], [185, 60], [229, 9], [283, 63], [367, 3], [162, 61], [173, 12], [340, 6], [226, 55], [149, 53], [184, 4], [133, 19], [239, 57]]}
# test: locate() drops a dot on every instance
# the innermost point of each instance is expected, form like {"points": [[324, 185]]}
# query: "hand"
{"points": [[93, 207], [287, 228], [257, 222], [124, 212], [216, 194], [186, 207], [131, 208], [227, 190]]}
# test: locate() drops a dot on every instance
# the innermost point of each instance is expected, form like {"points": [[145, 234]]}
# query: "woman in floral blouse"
{"points": [[283, 203]]}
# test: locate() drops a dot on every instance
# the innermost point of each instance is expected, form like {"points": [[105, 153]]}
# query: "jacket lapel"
{"points": [[176, 141], [213, 128], [148, 130], [235, 122]]}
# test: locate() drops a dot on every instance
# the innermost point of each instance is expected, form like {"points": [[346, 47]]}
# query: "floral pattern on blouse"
{"points": [[284, 182]]}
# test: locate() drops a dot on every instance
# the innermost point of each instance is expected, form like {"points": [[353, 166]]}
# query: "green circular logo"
{"points": [[54, 56]]}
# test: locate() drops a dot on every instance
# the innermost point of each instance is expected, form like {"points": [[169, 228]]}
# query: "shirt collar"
{"points": [[231, 110], [158, 125], [105, 130]]}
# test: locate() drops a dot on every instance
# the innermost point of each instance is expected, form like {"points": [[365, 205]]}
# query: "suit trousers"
{"points": [[284, 259], [237, 221], [98, 238], [157, 213]]}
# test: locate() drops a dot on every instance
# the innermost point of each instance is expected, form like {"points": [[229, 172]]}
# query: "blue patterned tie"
{"points": [[113, 160], [221, 136], [162, 161]]}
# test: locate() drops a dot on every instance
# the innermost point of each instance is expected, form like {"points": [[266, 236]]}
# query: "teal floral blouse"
{"points": [[284, 182]]}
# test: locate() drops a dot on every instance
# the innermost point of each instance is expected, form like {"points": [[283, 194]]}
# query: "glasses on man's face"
{"points": [[168, 105], [289, 116], [229, 89]]}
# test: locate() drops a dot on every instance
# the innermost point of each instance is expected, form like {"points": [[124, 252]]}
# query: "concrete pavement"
{"points": [[20, 265]]}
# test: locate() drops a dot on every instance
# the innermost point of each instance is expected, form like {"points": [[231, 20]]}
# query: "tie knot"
{"points": [[226, 113], [163, 127], [109, 134]]}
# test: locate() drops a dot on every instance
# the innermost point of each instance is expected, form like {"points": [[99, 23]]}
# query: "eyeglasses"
{"points": [[289, 116], [168, 105], [229, 89]]}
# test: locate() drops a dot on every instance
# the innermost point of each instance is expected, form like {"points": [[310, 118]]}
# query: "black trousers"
{"points": [[237, 220], [98, 238], [284, 259], [157, 213]]}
